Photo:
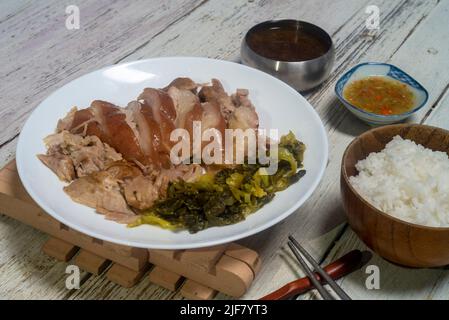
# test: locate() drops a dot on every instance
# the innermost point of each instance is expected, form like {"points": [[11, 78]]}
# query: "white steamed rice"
{"points": [[407, 181]]}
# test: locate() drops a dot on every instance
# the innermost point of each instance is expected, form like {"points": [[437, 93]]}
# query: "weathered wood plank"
{"points": [[144, 290], [27, 273], [11, 8], [216, 29], [439, 117]]}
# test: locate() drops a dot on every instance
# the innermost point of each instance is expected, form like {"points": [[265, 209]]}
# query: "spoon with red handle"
{"points": [[337, 269]]}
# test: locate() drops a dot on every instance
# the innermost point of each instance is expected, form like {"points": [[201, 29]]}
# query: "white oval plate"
{"points": [[278, 105]]}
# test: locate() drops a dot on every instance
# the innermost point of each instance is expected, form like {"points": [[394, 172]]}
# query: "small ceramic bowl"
{"points": [[380, 69]]}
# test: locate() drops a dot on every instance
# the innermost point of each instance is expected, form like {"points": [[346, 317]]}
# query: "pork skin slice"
{"points": [[183, 83], [212, 118], [149, 133], [163, 111]]}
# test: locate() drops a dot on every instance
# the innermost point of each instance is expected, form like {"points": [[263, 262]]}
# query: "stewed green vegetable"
{"points": [[227, 196]]}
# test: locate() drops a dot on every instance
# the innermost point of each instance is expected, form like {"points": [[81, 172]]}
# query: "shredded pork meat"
{"points": [[102, 190], [60, 164], [142, 191], [70, 155]]}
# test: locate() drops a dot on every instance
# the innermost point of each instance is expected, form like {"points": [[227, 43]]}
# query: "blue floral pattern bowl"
{"points": [[380, 69]]}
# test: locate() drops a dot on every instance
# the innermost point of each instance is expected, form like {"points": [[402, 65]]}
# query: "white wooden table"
{"points": [[38, 54]]}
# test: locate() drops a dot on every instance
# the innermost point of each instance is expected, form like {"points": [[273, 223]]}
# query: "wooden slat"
{"points": [[169, 254], [204, 258], [230, 276], [91, 262], [15, 190], [194, 291], [124, 276], [8, 175], [165, 278], [59, 249], [250, 257], [10, 183]]}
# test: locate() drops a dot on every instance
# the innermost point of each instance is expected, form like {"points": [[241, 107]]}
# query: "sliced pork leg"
{"points": [[216, 92], [187, 105], [244, 118], [163, 112], [241, 98], [90, 121], [213, 119], [160, 102], [121, 132], [149, 133], [183, 84], [66, 122], [109, 123]]}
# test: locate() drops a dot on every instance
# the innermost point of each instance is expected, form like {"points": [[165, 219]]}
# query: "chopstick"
{"points": [[324, 293], [341, 267], [297, 250]]}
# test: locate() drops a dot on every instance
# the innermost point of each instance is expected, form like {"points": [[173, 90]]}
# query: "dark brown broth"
{"points": [[286, 43]]}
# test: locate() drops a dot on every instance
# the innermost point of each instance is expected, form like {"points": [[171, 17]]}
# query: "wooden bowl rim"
{"points": [[382, 213]]}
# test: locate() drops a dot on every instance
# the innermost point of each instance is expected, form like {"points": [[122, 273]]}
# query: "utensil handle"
{"points": [[337, 269]]}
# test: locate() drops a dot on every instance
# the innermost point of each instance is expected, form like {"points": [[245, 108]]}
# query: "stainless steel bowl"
{"points": [[301, 75]]}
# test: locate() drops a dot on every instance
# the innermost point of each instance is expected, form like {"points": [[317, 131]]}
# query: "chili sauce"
{"points": [[380, 95]]}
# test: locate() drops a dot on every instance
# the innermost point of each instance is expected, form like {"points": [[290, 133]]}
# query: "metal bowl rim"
{"points": [[330, 50]]}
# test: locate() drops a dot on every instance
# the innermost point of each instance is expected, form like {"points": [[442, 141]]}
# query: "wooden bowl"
{"points": [[398, 241]]}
